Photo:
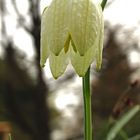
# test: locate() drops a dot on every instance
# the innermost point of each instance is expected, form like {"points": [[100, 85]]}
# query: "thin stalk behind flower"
{"points": [[87, 99], [87, 106]]}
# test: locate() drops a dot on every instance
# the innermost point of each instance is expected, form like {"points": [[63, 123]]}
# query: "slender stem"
{"points": [[103, 4], [87, 99], [87, 106], [10, 137]]}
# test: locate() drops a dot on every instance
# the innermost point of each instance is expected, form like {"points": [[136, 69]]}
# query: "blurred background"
{"points": [[34, 106]]}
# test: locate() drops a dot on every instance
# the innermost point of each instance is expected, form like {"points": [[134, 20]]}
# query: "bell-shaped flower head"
{"points": [[72, 31]]}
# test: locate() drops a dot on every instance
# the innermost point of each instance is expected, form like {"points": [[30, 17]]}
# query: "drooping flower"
{"points": [[72, 31]]}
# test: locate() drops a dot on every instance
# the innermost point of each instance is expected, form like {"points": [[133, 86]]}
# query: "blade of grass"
{"points": [[123, 135], [137, 137], [10, 137], [122, 121]]}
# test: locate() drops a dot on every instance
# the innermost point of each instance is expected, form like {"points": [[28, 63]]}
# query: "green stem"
{"points": [[87, 106], [10, 137], [103, 4], [87, 99]]}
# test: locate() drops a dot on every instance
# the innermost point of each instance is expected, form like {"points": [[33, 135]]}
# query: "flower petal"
{"points": [[82, 63], [44, 51], [84, 26], [56, 25], [100, 43], [58, 63]]}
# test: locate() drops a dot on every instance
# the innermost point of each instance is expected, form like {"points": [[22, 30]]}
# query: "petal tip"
{"points": [[55, 74], [81, 75], [55, 77], [42, 65]]}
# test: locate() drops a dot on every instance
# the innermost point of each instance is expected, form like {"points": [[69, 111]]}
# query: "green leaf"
{"points": [[10, 137], [137, 137], [122, 121]]}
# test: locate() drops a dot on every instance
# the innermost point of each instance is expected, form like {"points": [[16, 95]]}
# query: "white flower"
{"points": [[72, 30]]}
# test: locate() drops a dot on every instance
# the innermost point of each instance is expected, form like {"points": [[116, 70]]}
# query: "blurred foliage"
{"points": [[113, 78], [113, 92], [23, 97]]}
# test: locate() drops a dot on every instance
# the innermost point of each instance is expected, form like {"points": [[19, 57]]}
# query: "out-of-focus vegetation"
{"points": [[24, 94]]}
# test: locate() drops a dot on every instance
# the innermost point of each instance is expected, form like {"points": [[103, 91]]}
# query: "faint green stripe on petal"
{"points": [[84, 24], [56, 25]]}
